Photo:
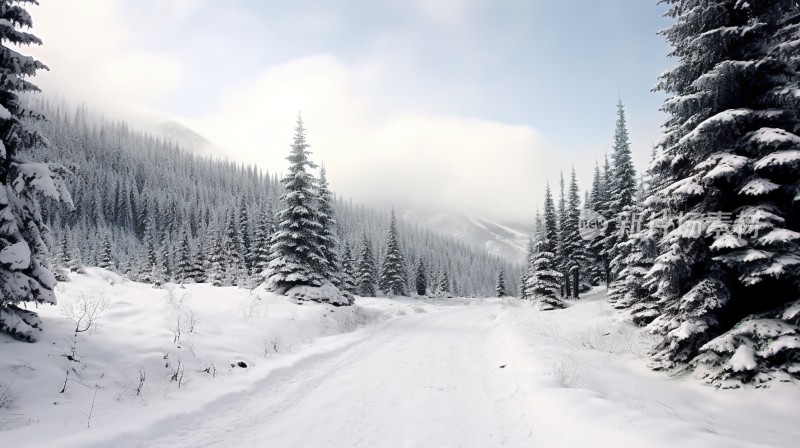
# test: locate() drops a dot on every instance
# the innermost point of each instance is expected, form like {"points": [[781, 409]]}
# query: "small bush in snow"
{"points": [[7, 396], [567, 372], [85, 312], [253, 309]]}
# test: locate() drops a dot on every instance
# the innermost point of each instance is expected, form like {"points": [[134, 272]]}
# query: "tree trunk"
{"points": [[575, 285]]}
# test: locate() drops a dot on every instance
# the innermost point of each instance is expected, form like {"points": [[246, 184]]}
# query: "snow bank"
{"points": [[327, 293], [151, 353], [585, 372]]}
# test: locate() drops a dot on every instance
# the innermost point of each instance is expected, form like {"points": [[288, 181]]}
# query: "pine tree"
{"points": [[216, 261], [198, 268], [621, 191], [544, 284], [444, 285], [594, 248], [393, 277], [348, 272], [184, 268], [23, 234], [328, 240], [421, 281], [297, 258], [261, 248], [561, 249], [727, 277], [573, 243], [165, 258], [107, 257], [243, 241], [150, 271], [500, 288], [630, 291], [366, 270], [602, 206], [234, 260], [528, 271], [67, 259]]}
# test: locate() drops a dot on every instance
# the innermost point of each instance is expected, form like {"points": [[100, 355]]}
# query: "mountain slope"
{"points": [[496, 239]]}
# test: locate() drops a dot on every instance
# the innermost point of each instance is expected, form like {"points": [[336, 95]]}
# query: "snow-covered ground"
{"points": [[385, 373]]}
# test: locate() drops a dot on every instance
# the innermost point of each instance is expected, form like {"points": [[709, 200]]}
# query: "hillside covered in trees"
{"points": [[148, 209]]}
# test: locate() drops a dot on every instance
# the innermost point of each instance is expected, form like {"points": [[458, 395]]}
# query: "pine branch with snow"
{"points": [[23, 233]]}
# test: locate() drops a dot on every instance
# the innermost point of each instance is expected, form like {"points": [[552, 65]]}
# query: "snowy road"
{"points": [[430, 377], [426, 380]]}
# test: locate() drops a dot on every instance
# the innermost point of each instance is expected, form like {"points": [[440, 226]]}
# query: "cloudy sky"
{"points": [[465, 105]]}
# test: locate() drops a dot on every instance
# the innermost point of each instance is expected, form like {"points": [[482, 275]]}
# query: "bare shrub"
{"points": [[91, 412], [210, 369], [134, 386], [85, 312], [181, 319], [567, 372], [253, 309], [174, 300], [178, 374], [7, 396], [274, 345]]}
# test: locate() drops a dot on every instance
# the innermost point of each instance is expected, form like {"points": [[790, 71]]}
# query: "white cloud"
{"points": [[377, 154], [91, 53], [376, 151]]}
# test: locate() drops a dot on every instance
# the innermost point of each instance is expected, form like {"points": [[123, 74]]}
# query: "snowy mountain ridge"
{"points": [[188, 139], [497, 239]]}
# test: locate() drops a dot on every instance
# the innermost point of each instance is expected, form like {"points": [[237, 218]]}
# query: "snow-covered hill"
{"points": [[497, 239], [188, 139]]}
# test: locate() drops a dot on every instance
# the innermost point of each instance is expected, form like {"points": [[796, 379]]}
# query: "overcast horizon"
{"points": [[481, 102]]}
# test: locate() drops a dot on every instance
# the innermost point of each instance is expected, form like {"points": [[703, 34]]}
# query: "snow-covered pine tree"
{"points": [[393, 277], [444, 288], [727, 277], [328, 239], [148, 270], [526, 272], [348, 272], [198, 261], [184, 267], [243, 242], [165, 258], [297, 259], [639, 249], [602, 206], [544, 284], [595, 270], [421, 281], [215, 271], [573, 243], [500, 287], [69, 259], [23, 278], [533, 240], [234, 259], [621, 192], [366, 270], [261, 248], [561, 249], [107, 256]]}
